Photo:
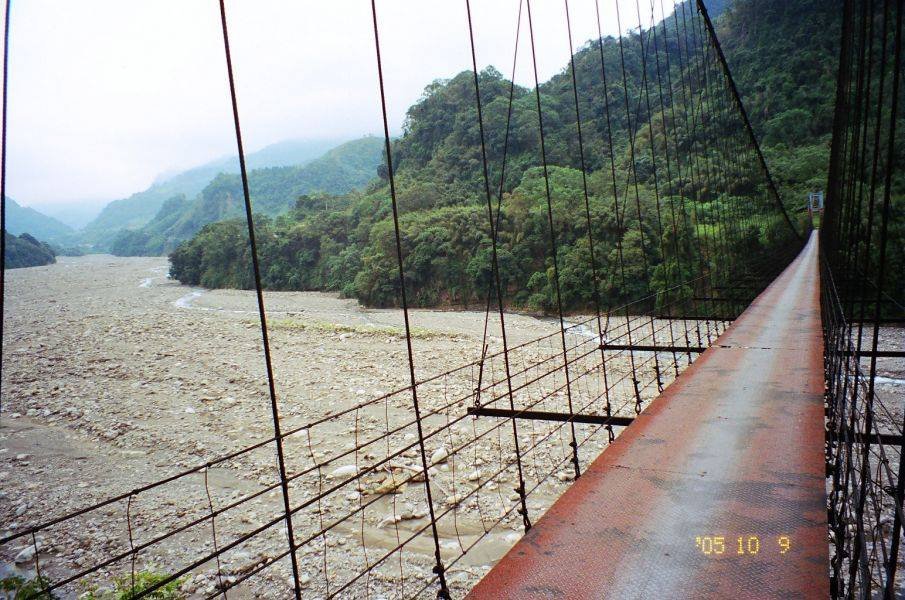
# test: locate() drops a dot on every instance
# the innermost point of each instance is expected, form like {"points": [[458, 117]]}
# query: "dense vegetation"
{"points": [[342, 169], [26, 251], [345, 243], [784, 57]]}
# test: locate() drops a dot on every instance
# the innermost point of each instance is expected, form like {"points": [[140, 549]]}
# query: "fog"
{"points": [[107, 95]]}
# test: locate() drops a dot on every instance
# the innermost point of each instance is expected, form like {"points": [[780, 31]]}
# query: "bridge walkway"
{"points": [[716, 490]]}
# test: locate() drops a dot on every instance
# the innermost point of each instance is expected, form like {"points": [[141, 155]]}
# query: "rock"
{"points": [[474, 475], [22, 456], [565, 476], [344, 471], [440, 455], [393, 484], [455, 499], [27, 554], [389, 520]]}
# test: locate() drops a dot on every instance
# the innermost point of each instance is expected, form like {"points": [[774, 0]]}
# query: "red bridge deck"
{"points": [[716, 490]]}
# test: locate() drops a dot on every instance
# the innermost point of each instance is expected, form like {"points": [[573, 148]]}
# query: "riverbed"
{"points": [[116, 376]]}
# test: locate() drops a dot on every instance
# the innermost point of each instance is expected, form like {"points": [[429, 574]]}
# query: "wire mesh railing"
{"points": [[863, 297]]}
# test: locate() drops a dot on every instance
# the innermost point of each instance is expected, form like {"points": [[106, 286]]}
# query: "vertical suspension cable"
{"points": [[443, 592], [838, 497], [523, 510], [718, 236], [3, 186], [669, 174], [634, 177], [631, 142], [495, 228], [891, 157], [595, 276], [653, 158], [716, 170], [730, 170], [703, 251], [612, 157], [262, 315], [862, 299], [744, 114], [707, 254], [562, 330]]}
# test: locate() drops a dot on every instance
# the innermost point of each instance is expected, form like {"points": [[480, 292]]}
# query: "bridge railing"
{"points": [[370, 492], [863, 298], [436, 478]]}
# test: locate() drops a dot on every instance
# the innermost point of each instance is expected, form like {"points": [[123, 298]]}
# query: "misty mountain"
{"points": [[273, 190], [23, 219], [140, 208], [439, 180], [74, 213]]}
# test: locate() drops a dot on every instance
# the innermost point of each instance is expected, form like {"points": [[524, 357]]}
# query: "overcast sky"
{"points": [[105, 95]]}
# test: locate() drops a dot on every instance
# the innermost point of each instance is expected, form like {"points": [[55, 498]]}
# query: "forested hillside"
{"points": [[347, 244], [784, 56], [140, 208], [347, 167], [26, 251]]}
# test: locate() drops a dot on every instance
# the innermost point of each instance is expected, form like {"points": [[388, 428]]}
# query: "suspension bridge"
{"points": [[720, 434]]}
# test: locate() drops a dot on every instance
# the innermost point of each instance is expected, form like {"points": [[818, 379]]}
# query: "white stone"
{"points": [[439, 455], [26, 555], [344, 471]]}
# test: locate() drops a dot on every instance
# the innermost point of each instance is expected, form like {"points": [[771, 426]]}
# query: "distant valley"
{"points": [[174, 208]]}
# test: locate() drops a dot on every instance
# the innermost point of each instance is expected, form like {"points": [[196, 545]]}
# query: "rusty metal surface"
{"points": [[733, 448]]}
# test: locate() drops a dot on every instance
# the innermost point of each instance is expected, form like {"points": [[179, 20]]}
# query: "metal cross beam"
{"points": [[649, 348], [538, 415]]}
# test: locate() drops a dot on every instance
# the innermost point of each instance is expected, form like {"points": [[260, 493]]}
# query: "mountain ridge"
{"points": [[439, 182], [141, 207], [24, 219], [274, 190]]}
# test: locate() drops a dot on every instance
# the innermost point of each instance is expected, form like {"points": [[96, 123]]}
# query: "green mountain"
{"points": [[22, 219], [785, 66], [140, 208], [273, 191], [25, 251], [350, 248]]}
